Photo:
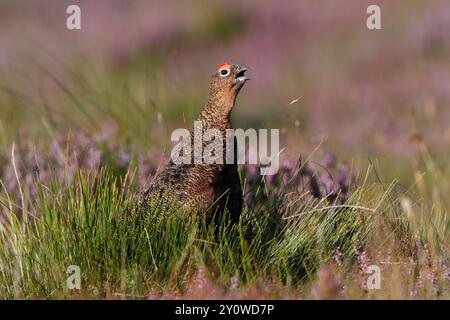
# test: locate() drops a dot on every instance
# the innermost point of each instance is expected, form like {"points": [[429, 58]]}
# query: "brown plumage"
{"points": [[206, 187]]}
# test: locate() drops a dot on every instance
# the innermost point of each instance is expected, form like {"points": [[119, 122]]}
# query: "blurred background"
{"points": [[139, 69], [109, 96]]}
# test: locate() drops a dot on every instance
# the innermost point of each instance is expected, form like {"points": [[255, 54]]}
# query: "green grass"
{"points": [[85, 223], [286, 245]]}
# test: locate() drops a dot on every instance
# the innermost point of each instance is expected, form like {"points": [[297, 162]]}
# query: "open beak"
{"points": [[240, 75]]}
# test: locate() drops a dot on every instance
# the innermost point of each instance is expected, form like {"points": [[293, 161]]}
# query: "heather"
{"points": [[85, 123]]}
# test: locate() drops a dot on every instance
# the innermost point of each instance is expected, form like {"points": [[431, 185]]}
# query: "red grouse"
{"points": [[208, 188]]}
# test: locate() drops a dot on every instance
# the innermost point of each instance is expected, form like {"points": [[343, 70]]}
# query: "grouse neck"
{"points": [[216, 116]]}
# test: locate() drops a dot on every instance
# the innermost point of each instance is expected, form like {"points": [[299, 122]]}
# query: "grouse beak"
{"points": [[240, 77]]}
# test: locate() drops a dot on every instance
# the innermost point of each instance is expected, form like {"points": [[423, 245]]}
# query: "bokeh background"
{"points": [[139, 69], [82, 110]]}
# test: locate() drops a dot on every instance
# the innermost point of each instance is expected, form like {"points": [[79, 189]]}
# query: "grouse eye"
{"points": [[224, 72]]}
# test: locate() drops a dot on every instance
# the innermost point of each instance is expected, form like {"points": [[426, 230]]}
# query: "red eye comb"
{"points": [[222, 66]]}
